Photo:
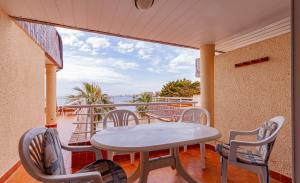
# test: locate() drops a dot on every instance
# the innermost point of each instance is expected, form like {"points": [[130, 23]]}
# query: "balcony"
{"points": [[190, 159], [76, 126], [237, 97], [88, 118]]}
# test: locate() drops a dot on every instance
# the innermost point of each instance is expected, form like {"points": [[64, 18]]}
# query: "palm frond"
{"points": [[92, 94]]}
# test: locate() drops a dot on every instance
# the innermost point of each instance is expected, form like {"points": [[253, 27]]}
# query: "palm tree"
{"points": [[143, 98], [92, 94]]}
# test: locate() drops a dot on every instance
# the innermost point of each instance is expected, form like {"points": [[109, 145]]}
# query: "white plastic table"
{"points": [[151, 137]]}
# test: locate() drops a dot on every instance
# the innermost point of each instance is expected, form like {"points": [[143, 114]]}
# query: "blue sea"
{"points": [[122, 99]]}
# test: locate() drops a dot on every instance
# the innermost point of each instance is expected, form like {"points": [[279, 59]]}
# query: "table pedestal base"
{"points": [[146, 165]]}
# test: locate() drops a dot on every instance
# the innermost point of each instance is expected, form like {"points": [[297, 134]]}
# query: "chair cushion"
{"points": [[243, 155], [110, 171], [53, 158], [266, 131]]}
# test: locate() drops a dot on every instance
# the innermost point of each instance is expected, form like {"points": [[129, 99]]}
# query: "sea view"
{"points": [[118, 99], [150, 91]]}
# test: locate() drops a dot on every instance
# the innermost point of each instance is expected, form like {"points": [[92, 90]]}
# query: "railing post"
{"points": [[86, 125], [180, 100], [85, 120], [92, 121]]}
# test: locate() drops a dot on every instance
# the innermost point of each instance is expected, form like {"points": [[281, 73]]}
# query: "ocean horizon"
{"points": [[118, 99]]}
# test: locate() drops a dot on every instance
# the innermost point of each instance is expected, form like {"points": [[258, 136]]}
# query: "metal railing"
{"points": [[130, 98], [89, 117], [172, 99]]}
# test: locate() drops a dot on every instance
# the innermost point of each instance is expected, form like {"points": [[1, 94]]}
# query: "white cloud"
{"points": [[71, 40], [85, 48], [85, 69], [117, 63], [115, 73], [76, 40], [145, 50], [140, 44], [86, 73], [185, 60], [98, 42], [68, 31], [125, 47], [155, 61], [94, 52], [156, 69], [70, 37], [181, 61], [106, 70], [144, 53], [125, 65], [150, 69]]}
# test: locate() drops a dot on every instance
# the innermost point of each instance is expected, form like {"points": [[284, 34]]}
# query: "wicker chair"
{"points": [[32, 155], [120, 117], [197, 115], [253, 156]]}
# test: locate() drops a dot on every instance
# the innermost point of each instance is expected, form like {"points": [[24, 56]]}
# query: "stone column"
{"points": [[51, 95], [207, 55]]}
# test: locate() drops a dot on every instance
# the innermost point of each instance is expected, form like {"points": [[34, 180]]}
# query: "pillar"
{"points": [[207, 55], [50, 95]]}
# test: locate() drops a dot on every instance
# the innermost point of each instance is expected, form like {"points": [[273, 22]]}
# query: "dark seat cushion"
{"points": [[110, 171], [243, 155], [53, 158]]}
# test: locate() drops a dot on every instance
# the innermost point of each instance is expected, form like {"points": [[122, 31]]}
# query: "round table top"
{"points": [[156, 136]]}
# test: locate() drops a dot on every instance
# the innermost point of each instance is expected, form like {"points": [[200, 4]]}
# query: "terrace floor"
{"points": [[190, 160]]}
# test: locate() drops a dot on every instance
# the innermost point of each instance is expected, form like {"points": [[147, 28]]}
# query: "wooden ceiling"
{"points": [[188, 23]]}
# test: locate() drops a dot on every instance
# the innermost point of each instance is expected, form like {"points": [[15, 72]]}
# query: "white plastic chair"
{"points": [[120, 118], [197, 115], [32, 151], [253, 156]]}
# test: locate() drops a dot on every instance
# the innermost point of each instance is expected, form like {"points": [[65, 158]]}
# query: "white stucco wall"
{"points": [[21, 88], [247, 96]]}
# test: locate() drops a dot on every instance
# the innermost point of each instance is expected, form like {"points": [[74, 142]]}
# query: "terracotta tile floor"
{"points": [[190, 160]]}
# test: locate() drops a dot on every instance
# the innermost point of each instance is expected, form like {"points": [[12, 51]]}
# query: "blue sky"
{"points": [[119, 65]]}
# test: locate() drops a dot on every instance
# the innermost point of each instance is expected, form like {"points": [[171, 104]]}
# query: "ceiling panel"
{"points": [[50, 10], [147, 16], [120, 16], [180, 24], [108, 12], [161, 16], [37, 10], [131, 19], [18, 9], [172, 18], [93, 17], [80, 12], [188, 23], [64, 8]]}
